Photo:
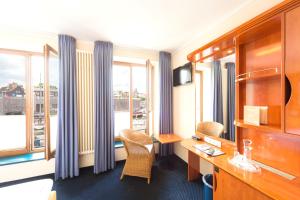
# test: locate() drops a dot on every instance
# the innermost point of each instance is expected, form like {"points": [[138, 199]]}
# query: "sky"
{"points": [[12, 69], [121, 78]]}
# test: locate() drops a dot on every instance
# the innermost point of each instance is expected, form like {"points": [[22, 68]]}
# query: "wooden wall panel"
{"points": [[265, 92], [292, 70], [260, 49], [193, 166], [227, 187], [264, 53], [275, 149], [281, 151]]}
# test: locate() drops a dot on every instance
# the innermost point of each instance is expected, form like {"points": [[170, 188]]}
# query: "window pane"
{"points": [[37, 82], [12, 102], [139, 88], [53, 93], [121, 89]]}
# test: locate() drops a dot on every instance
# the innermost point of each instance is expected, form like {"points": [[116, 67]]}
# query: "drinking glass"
{"points": [[247, 149]]}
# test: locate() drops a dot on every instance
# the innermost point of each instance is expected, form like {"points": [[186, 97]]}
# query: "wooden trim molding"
{"points": [[285, 5], [20, 52], [46, 102], [200, 94], [13, 152], [47, 50]]}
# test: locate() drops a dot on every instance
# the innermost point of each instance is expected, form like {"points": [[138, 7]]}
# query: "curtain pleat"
{"points": [[104, 113], [66, 158], [166, 100], [230, 101], [217, 92]]}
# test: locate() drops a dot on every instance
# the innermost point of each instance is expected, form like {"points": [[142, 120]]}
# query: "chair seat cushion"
{"points": [[149, 147]]}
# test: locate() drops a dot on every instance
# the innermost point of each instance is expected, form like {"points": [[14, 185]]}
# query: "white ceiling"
{"points": [[149, 24]]}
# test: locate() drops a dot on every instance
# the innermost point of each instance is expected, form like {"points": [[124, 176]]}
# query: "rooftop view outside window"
{"points": [[129, 93], [121, 95], [38, 118], [12, 101], [139, 98]]}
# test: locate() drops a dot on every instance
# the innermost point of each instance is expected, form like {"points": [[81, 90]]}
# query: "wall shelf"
{"points": [[259, 74], [267, 128]]}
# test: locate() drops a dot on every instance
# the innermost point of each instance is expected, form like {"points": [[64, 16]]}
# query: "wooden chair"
{"points": [[140, 154], [211, 128], [52, 195]]}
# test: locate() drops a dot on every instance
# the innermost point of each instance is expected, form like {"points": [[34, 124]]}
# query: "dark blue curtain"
{"points": [[217, 92], [104, 113], [166, 100], [66, 158], [230, 101]]}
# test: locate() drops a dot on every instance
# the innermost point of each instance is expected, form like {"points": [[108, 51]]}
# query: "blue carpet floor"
{"points": [[165, 184]]}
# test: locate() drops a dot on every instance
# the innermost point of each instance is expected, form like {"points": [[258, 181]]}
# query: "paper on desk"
{"points": [[202, 147], [205, 148], [216, 152]]}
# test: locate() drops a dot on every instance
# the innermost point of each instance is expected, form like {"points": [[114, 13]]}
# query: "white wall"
{"points": [[35, 42], [184, 96], [10, 39]]}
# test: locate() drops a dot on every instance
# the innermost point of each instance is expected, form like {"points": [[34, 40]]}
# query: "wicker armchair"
{"points": [[211, 128], [140, 154]]}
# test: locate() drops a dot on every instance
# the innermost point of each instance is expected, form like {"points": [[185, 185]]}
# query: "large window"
{"points": [[21, 102], [130, 96], [23, 112]]}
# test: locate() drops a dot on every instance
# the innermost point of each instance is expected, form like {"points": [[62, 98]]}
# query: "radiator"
{"points": [[85, 101]]}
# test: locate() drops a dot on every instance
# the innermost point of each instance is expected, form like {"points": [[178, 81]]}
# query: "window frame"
{"points": [[28, 104], [47, 94], [200, 72]]}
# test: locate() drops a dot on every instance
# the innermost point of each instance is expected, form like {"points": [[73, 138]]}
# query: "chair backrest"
{"points": [[126, 136], [134, 140], [210, 128], [129, 134]]}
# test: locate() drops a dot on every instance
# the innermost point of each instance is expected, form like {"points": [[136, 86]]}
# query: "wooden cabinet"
{"points": [[292, 71], [193, 166], [227, 187], [267, 74]]}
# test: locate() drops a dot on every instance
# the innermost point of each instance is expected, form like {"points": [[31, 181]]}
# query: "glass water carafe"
{"points": [[247, 149]]}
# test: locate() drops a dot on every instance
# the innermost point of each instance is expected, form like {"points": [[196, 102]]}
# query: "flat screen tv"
{"points": [[182, 75]]}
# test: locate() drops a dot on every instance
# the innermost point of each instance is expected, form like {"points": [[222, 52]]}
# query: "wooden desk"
{"points": [[168, 138], [234, 183]]}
